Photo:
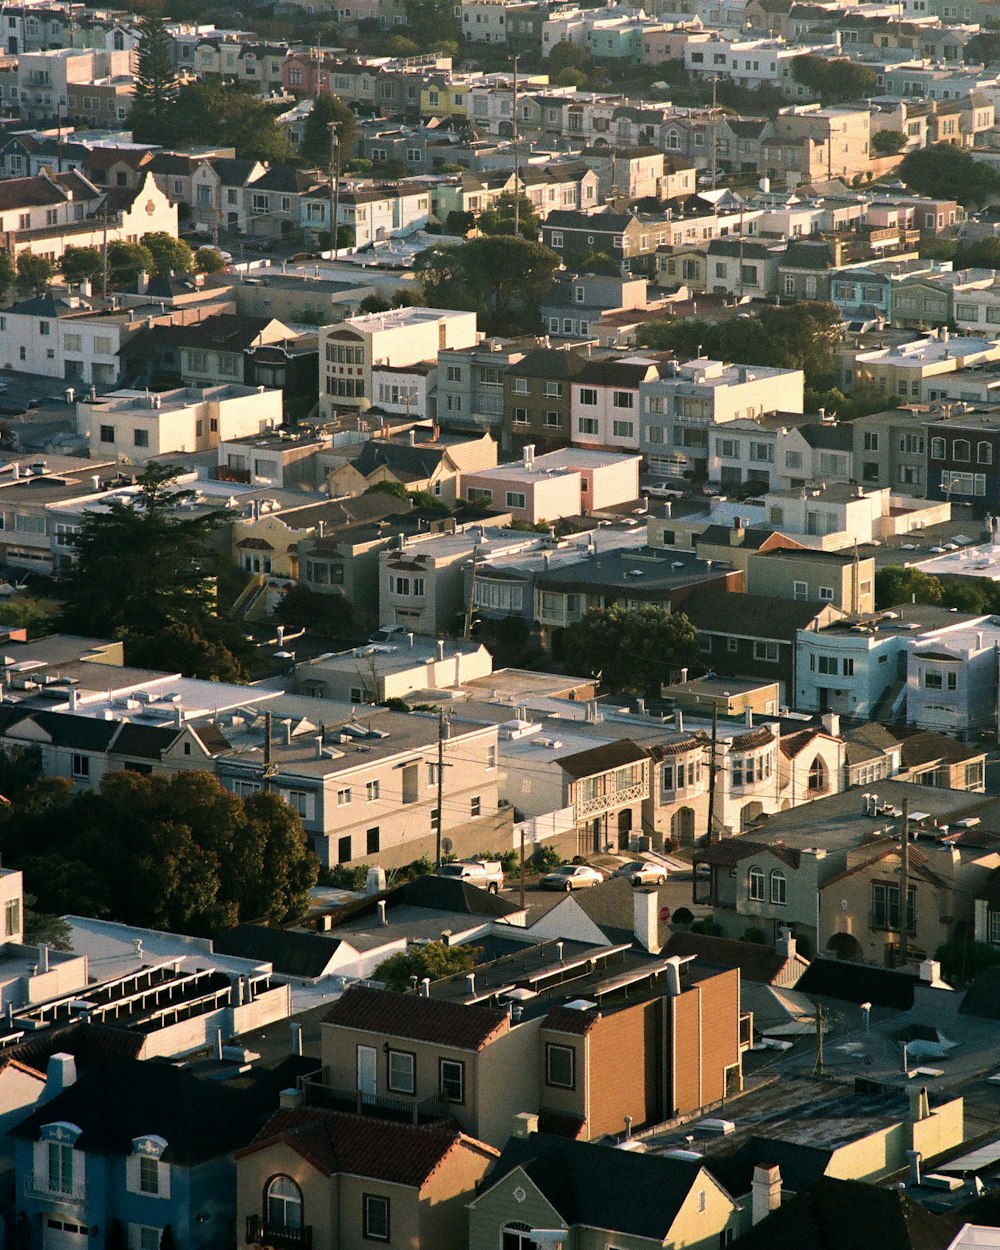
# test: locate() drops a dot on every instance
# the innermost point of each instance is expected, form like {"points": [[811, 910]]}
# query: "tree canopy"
{"points": [[169, 852], [888, 142], [632, 648], [224, 114], [8, 273], [80, 263], [502, 278], [169, 255], [431, 24], [34, 273], [834, 80], [895, 585], [434, 960], [499, 217], [155, 80], [950, 173], [127, 260], [144, 573], [315, 146]]}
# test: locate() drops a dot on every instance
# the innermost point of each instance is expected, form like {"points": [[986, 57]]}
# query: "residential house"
{"points": [[578, 301], [890, 449], [566, 483], [743, 267], [604, 402], [835, 577], [909, 370], [537, 399], [963, 458], [951, 680], [586, 1192], [325, 1179], [379, 672], [470, 384], [199, 354]]}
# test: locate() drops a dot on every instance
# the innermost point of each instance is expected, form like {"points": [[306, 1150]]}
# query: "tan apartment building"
{"points": [[838, 578], [906, 372], [403, 336], [329, 1180], [565, 483], [366, 789], [809, 142]]}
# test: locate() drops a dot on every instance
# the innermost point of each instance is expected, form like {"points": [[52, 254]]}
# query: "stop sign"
{"points": [[665, 915]]}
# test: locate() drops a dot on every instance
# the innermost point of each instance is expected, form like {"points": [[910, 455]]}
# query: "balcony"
{"points": [[280, 1236], [611, 799], [38, 1188]]}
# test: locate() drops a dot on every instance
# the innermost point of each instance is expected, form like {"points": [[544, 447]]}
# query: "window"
{"points": [[60, 1168], [778, 885], [755, 884], [552, 420], [622, 429], [520, 386], [148, 1238], [937, 448], [560, 1066], [586, 425], [375, 1210], [871, 442], [491, 757], [344, 796], [372, 841], [800, 591], [476, 805], [960, 449], [515, 499], [764, 650], [984, 453], [622, 399], [402, 1072], [588, 396], [283, 1204], [140, 438], [12, 917], [81, 767], [451, 1080], [372, 790], [885, 906], [149, 1174], [552, 390]]}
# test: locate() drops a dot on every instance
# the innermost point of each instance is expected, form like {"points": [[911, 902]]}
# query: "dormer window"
{"points": [[147, 1173]]}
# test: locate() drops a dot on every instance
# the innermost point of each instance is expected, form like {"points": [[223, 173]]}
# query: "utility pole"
{"points": [[517, 167], [522, 868], [104, 256], [467, 633], [711, 773], [714, 152], [269, 769], [440, 788], [334, 186], [904, 883]]}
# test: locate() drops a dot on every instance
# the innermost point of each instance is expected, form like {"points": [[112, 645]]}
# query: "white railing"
{"points": [[34, 1187], [612, 798]]}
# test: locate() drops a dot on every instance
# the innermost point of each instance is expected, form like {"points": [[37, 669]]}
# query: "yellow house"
{"points": [[329, 1180], [599, 1196]]}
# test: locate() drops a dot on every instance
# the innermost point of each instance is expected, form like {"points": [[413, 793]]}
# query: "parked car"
{"points": [[389, 633], [487, 874], [640, 872], [571, 877]]}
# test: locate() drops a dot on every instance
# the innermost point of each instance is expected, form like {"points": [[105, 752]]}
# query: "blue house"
{"points": [[131, 1148]]}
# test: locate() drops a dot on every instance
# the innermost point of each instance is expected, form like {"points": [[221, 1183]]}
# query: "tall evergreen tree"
{"points": [[155, 79]]}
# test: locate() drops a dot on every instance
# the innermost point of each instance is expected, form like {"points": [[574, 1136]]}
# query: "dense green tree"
{"points": [[888, 142], [8, 273], [329, 614], [502, 278], [567, 55], [499, 217], [34, 273], [41, 927], [432, 24], [979, 254], [169, 255], [792, 336], [155, 81], [834, 80], [144, 573], [81, 263], [983, 49], [632, 648], [434, 960], [895, 584], [947, 172], [459, 223], [209, 260], [126, 261], [374, 303], [315, 146], [227, 115]]}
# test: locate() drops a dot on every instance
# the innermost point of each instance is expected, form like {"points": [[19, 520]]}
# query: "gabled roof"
{"points": [[600, 758], [755, 961], [858, 983], [413, 462], [232, 171], [89, 1044], [145, 741], [828, 435], [549, 362], [835, 1213], [334, 1141], [926, 746], [422, 1019], [601, 1187], [717, 611]]}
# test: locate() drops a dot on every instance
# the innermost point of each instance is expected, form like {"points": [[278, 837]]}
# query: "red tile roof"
{"points": [[335, 1141], [422, 1019]]}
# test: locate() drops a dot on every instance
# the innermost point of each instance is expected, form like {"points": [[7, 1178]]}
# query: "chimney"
{"points": [[218, 1044], [288, 733], [930, 971], [646, 919], [470, 982], [440, 648], [413, 438], [425, 987], [380, 912], [831, 723], [289, 1099], [143, 283], [60, 1074], [319, 746], [280, 636], [74, 699], [684, 676], [673, 971], [785, 945], [920, 1108], [765, 1191], [915, 1158], [525, 1123], [296, 1039], [43, 957]]}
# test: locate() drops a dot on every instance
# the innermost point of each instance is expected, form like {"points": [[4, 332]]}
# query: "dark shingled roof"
{"points": [[982, 998], [334, 1141], [602, 1187], [755, 961], [600, 759], [716, 611], [89, 1044], [858, 983], [294, 953], [836, 1215], [422, 1019], [146, 741], [433, 892], [127, 1098]]}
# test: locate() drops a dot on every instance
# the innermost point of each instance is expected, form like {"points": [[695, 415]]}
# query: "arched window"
{"points": [[517, 1236], [778, 886], [755, 884], [283, 1203], [960, 450], [984, 453], [818, 776]]}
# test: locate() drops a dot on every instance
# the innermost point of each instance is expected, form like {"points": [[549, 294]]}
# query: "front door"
{"points": [[367, 1071], [624, 828]]}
